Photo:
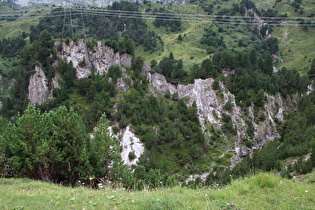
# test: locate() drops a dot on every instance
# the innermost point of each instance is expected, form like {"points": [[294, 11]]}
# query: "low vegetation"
{"points": [[263, 191]]}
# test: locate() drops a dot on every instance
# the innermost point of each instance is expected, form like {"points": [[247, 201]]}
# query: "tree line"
{"points": [[100, 27]]}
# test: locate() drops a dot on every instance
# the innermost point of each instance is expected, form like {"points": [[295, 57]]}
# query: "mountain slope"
{"points": [[213, 95]]}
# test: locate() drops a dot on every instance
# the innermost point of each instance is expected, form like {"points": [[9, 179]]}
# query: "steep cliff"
{"points": [[253, 124], [38, 90], [100, 58], [211, 106]]}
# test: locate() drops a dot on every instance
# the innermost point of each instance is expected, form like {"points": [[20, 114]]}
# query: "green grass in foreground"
{"points": [[263, 191]]}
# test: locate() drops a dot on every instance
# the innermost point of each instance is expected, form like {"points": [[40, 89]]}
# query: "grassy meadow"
{"points": [[263, 191]]}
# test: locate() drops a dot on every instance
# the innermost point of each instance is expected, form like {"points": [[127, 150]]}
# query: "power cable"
{"points": [[220, 19], [173, 14]]}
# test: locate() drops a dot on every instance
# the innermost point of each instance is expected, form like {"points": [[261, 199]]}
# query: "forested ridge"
{"points": [[75, 134]]}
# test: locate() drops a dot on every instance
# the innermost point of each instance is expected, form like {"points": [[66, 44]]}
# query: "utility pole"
{"points": [[72, 8]]}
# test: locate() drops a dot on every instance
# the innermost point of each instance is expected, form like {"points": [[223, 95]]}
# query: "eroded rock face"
{"points": [[101, 58], [243, 151], [129, 143], [310, 88], [38, 90], [210, 103], [211, 107], [125, 81]]}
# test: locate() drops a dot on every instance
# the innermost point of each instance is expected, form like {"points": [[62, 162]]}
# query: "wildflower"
{"points": [[306, 191]]}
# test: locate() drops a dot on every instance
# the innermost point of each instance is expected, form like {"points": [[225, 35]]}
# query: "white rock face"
{"points": [[210, 106], [38, 89], [130, 143], [55, 81], [310, 88], [101, 58]]}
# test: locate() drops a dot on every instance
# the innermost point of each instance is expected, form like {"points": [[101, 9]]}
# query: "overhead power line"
{"points": [[220, 19], [152, 13]]}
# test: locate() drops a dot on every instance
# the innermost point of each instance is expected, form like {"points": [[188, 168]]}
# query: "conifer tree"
{"points": [[311, 72], [104, 151], [29, 147]]}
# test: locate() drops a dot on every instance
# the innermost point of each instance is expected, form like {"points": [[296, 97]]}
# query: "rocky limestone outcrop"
{"points": [[129, 144], [101, 58], [38, 90], [243, 151], [209, 102], [310, 88], [211, 107], [125, 81]]}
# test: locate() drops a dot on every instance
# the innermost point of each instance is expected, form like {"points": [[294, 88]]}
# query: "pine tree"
{"points": [[31, 151], [311, 72], [104, 151], [69, 136]]}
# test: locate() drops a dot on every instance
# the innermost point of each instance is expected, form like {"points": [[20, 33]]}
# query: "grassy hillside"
{"points": [[296, 43], [263, 191], [23, 23], [188, 49]]}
